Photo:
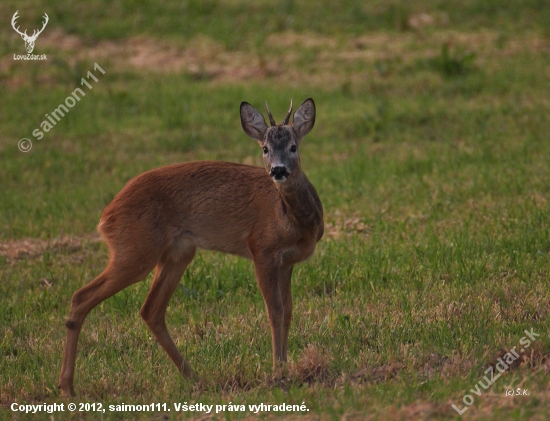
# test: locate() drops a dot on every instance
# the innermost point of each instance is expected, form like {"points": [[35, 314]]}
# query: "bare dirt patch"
{"points": [[289, 56], [29, 248], [202, 57]]}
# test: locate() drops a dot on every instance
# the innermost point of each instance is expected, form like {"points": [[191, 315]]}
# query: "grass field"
{"points": [[430, 154]]}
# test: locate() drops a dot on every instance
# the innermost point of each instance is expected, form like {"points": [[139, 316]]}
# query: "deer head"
{"points": [[29, 40], [279, 143]]}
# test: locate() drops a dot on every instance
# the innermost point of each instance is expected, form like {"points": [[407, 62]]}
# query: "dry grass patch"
{"points": [[379, 374], [534, 358], [312, 366], [347, 227], [290, 54], [29, 248], [202, 57], [290, 39]]}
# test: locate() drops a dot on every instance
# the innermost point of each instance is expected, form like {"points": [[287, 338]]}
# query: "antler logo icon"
{"points": [[29, 40]]}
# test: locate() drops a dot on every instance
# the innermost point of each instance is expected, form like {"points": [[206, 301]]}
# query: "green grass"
{"points": [[430, 154]]}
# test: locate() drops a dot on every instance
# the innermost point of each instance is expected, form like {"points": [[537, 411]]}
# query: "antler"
{"points": [[47, 19], [15, 16], [271, 120], [287, 117], [35, 32]]}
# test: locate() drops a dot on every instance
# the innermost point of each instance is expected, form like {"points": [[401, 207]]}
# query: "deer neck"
{"points": [[300, 201]]}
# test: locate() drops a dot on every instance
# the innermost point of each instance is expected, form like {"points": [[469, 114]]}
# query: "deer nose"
{"points": [[279, 173]]}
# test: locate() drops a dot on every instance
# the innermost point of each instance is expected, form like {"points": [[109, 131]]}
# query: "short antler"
{"points": [[287, 117], [13, 23], [271, 119]]}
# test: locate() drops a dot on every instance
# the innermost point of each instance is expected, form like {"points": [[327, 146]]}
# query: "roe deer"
{"points": [[162, 216]]}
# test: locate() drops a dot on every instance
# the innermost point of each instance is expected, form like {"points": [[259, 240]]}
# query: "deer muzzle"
{"points": [[279, 173]]}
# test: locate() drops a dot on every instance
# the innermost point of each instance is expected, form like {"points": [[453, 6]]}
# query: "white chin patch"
{"points": [[279, 180]]}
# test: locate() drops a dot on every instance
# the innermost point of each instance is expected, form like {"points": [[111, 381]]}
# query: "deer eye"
{"points": [[265, 149], [293, 148]]}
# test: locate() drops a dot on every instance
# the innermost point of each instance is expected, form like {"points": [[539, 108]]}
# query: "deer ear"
{"points": [[304, 118], [252, 121]]}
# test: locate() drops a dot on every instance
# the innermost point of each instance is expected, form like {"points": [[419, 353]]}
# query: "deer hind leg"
{"points": [[168, 273], [115, 277]]}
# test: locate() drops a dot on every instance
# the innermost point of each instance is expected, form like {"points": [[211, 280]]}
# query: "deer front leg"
{"points": [[285, 275], [267, 274]]}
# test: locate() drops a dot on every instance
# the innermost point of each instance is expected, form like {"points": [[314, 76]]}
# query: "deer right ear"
{"points": [[253, 121]]}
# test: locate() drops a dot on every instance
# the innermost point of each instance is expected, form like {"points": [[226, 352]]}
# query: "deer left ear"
{"points": [[304, 118]]}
